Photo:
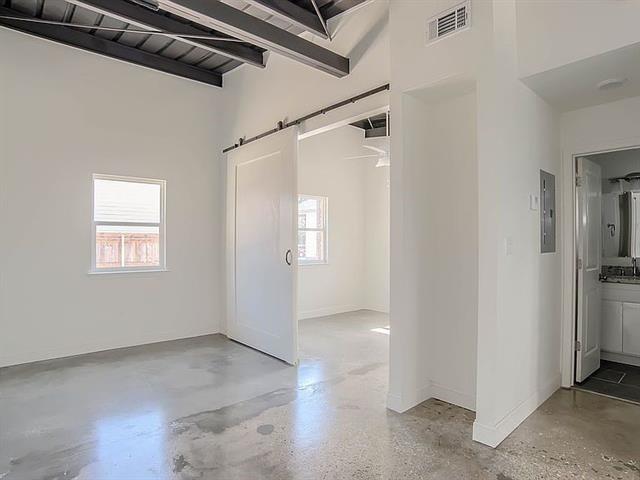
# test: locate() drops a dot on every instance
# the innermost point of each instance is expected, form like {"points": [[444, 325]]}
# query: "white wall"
{"points": [[607, 126], [552, 34], [377, 236], [518, 292], [68, 114], [441, 68], [356, 192], [441, 140]]}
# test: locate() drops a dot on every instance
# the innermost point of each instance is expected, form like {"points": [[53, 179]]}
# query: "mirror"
{"points": [[621, 225]]}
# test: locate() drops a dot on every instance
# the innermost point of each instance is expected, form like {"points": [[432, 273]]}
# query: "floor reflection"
{"points": [[132, 447], [311, 418], [384, 330], [310, 373]]}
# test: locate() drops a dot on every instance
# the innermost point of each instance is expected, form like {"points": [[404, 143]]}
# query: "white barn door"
{"points": [[261, 245], [589, 263]]}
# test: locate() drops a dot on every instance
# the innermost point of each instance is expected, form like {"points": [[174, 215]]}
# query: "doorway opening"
{"points": [[308, 227], [343, 236], [607, 322]]}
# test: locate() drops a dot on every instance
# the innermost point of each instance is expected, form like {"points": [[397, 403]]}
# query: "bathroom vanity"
{"points": [[620, 277], [620, 335]]}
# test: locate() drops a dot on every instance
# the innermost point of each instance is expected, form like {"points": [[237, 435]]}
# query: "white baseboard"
{"points": [[455, 397], [323, 312], [621, 358], [93, 347], [493, 435], [377, 308], [399, 403]]}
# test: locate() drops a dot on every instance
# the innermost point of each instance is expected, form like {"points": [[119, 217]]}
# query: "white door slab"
{"points": [[589, 263], [261, 245]]}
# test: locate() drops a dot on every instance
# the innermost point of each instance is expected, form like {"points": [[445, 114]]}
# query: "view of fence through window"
{"points": [[127, 224], [312, 229], [131, 248]]}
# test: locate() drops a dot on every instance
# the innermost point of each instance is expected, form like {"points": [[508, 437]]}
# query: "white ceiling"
{"points": [[574, 85]]}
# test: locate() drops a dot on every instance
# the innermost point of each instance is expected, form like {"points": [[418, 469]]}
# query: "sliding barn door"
{"points": [[589, 253], [261, 245]]}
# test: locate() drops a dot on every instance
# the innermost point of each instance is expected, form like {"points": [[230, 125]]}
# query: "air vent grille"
{"points": [[448, 22]]}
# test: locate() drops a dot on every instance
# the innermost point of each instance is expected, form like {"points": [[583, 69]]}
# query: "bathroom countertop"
{"points": [[628, 280]]}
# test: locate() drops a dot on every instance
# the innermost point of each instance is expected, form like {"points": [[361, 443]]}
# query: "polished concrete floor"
{"points": [[208, 408]]}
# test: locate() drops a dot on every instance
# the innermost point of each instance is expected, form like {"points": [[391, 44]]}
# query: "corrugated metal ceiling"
{"points": [[175, 49], [60, 10]]}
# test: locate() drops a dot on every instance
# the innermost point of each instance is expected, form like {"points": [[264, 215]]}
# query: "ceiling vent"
{"points": [[448, 22]]}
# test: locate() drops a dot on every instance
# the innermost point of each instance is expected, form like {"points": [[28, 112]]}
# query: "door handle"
{"points": [[287, 257]]}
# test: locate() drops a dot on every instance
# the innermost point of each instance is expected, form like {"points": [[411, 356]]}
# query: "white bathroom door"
{"points": [[589, 262], [261, 245]]}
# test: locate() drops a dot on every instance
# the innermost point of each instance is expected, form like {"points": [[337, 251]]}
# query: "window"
{"points": [[312, 230], [128, 224]]}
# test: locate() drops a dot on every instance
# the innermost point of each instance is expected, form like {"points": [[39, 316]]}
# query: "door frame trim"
{"points": [[569, 242]]}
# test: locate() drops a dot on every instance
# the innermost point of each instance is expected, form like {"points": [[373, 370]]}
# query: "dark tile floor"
{"points": [[616, 380]]}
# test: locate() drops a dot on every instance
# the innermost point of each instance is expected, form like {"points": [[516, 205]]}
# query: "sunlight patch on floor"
{"points": [[386, 330]]}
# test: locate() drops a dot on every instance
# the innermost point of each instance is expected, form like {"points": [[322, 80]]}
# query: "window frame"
{"points": [[325, 230], [161, 226]]}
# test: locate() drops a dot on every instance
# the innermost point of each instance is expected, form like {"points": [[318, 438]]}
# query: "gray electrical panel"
{"points": [[547, 212]]}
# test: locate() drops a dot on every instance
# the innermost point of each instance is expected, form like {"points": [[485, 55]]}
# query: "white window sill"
{"points": [[318, 264], [119, 272]]}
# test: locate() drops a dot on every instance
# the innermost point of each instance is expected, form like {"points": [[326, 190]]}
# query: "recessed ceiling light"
{"points": [[611, 83]]}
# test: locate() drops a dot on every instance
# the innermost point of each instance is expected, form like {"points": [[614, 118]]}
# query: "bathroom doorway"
{"points": [[607, 322]]}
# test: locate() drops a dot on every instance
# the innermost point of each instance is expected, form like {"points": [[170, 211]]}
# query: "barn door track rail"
{"points": [[284, 124]]}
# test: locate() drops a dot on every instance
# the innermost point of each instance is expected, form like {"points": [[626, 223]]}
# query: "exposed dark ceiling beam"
{"points": [[108, 48], [143, 17], [236, 23], [336, 7], [289, 11]]}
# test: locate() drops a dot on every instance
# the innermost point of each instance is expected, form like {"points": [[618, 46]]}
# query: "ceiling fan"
{"points": [[380, 147]]}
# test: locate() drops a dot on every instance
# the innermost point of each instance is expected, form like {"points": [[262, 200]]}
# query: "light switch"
{"points": [[508, 246], [534, 202]]}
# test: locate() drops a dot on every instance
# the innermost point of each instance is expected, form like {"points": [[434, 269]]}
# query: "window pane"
{"points": [[108, 248], [311, 247], [127, 246], [116, 201], [310, 212]]}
